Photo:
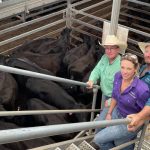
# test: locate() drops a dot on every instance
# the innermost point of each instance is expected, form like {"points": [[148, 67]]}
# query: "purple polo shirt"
{"points": [[132, 99]]}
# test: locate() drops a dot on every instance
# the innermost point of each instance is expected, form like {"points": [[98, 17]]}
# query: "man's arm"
{"points": [[138, 119]]}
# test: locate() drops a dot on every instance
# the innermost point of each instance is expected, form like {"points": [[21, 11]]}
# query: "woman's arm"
{"points": [[112, 106]]}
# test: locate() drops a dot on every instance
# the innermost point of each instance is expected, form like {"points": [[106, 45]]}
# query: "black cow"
{"points": [[46, 46], [8, 90], [50, 62], [2, 147], [75, 53], [53, 94], [49, 119]]}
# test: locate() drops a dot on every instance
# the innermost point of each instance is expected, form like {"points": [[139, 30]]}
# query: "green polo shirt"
{"points": [[105, 72]]}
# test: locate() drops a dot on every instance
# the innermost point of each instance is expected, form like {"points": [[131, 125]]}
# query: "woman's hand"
{"points": [[108, 116], [90, 84]]}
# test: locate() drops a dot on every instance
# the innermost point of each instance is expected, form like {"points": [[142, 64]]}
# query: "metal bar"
{"points": [[77, 38], [101, 19], [48, 34], [137, 10], [41, 76], [30, 22], [20, 7], [89, 15], [43, 112], [84, 32], [10, 3], [134, 52], [114, 17], [31, 32], [8, 136], [86, 24], [61, 144], [95, 90], [59, 6], [141, 27], [142, 135], [95, 5], [68, 14], [139, 2], [134, 17], [80, 3], [125, 144]]}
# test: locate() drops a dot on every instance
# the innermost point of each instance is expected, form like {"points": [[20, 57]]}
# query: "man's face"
{"points": [[147, 54], [111, 51]]}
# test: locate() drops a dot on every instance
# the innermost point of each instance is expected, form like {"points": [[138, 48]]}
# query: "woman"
{"points": [[129, 96]]}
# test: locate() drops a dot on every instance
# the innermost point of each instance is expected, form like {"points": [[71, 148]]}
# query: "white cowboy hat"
{"points": [[142, 45], [113, 40]]}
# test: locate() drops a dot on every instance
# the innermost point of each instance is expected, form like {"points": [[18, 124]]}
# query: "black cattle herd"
{"points": [[52, 57]]}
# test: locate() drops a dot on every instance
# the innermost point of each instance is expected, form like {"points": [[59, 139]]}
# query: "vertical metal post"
{"points": [[95, 90], [68, 14], [114, 17], [142, 136]]}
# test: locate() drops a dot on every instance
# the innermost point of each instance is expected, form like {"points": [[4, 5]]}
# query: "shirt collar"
{"points": [[142, 68], [115, 60]]}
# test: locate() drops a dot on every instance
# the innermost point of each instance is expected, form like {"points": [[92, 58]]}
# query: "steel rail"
{"points": [[44, 112], [84, 32], [139, 2], [101, 19], [45, 35], [42, 76], [30, 22], [8, 136], [135, 17], [95, 5], [137, 10], [31, 32], [86, 24], [80, 3], [125, 144]]}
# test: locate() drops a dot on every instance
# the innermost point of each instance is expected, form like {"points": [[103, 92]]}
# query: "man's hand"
{"points": [[136, 122], [90, 84]]}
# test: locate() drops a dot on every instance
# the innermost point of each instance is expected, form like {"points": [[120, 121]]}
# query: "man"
{"points": [[139, 118], [107, 67]]}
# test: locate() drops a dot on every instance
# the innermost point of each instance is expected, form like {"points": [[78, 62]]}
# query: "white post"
{"points": [[68, 14], [115, 17]]}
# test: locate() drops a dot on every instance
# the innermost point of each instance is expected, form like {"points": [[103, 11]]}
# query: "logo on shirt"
{"points": [[132, 94]]}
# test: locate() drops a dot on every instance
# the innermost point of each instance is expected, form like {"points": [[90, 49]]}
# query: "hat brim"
{"points": [[142, 46]]}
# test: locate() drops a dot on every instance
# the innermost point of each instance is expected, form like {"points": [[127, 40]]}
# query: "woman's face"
{"points": [[128, 69]]}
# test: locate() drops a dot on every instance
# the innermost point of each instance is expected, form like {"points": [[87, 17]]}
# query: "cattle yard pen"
{"points": [[8, 136], [82, 16]]}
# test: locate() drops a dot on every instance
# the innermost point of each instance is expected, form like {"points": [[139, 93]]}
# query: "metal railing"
{"points": [[8, 136], [35, 132]]}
